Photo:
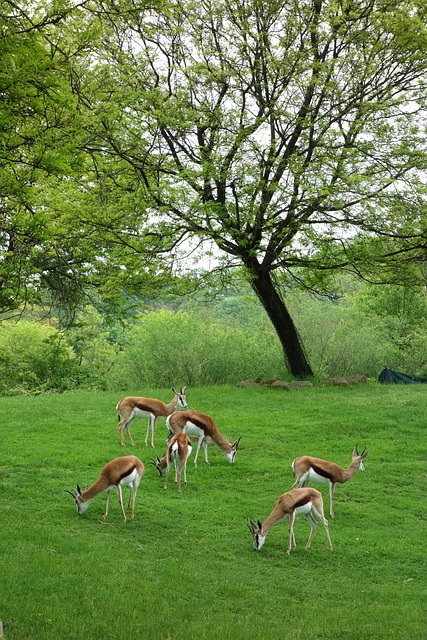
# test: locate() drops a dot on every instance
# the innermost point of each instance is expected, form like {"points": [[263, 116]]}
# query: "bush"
{"points": [[94, 352], [193, 348], [402, 314], [35, 357], [340, 340]]}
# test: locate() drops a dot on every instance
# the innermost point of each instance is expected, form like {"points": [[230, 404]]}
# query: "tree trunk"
{"points": [[279, 315]]}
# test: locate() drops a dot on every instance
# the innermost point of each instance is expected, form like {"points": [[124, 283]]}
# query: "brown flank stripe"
{"points": [[320, 472], [197, 422], [302, 501], [127, 473], [142, 406]]}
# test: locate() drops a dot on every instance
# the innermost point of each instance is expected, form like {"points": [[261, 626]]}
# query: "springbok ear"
{"points": [[364, 453], [259, 525], [79, 491], [183, 390], [175, 392], [236, 444], [355, 451]]}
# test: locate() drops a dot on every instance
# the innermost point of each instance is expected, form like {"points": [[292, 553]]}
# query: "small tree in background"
{"points": [[401, 312]]}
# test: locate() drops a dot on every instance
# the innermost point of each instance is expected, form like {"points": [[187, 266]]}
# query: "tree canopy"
{"points": [[291, 135]]}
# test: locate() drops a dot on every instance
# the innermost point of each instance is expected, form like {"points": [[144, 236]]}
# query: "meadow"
{"points": [[184, 567]]}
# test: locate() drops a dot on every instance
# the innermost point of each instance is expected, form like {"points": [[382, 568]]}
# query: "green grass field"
{"points": [[184, 567]]}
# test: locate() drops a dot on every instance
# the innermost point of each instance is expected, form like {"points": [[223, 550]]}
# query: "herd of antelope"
{"points": [[186, 426]]}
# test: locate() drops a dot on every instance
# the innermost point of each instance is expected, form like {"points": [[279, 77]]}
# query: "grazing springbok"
{"points": [[305, 502], [308, 469], [202, 428], [133, 407], [179, 450], [120, 472]]}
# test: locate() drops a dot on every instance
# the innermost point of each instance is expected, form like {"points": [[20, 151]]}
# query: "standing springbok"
{"points": [[120, 472], [201, 427], [305, 502], [308, 469], [179, 450], [133, 407]]}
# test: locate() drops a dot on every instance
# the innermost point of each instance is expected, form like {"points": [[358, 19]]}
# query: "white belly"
{"points": [[130, 479], [193, 430], [140, 413], [302, 511], [312, 476]]}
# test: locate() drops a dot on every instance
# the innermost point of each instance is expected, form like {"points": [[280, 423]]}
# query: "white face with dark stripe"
{"points": [[182, 401], [81, 506], [259, 540], [230, 456]]}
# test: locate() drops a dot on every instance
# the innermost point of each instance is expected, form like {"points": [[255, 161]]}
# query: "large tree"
{"points": [[39, 141], [291, 134], [55, 249]]}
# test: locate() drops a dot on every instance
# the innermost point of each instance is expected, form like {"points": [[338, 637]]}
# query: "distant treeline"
{"points": [[228, 340]]}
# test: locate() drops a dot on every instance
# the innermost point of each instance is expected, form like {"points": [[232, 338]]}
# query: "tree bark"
{"points": [[285, 328]]}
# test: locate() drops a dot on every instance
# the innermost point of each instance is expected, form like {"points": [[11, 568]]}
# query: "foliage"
{"points": [[184, 568], [302, 151], [193, 348], [224, 341], [95, 353], [35, 357], [38, 139], [289, 136], [402, 311], [341, 340]]}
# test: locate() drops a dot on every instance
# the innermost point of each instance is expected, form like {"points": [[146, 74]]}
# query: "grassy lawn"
{"points": [[184, 567]]}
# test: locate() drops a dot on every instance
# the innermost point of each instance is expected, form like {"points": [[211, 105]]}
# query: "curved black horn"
{"points": [[251, 525], [71, 493]]}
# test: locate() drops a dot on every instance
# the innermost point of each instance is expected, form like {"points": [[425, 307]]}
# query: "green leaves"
{"points": [[290, 135]]}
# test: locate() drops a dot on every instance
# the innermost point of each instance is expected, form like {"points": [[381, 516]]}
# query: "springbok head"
{"points": [[156, 462], [233, 450], [182, 401], [78, 499], [360, 456], [257, 535]]}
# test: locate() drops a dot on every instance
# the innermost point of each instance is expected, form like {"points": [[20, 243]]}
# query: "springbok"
{"points": [[202, 428], [133, 407], [308, 469], [120, 472], [305, 502], [179, 450]]}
